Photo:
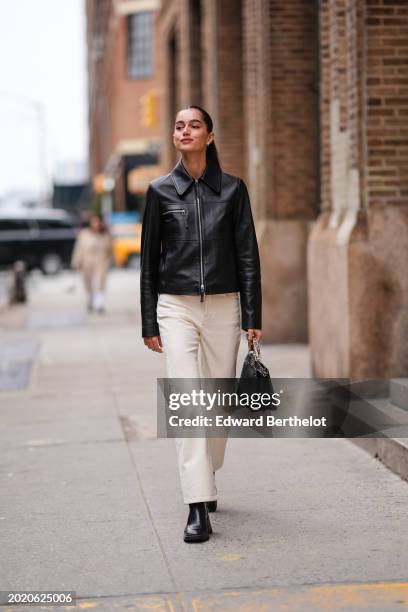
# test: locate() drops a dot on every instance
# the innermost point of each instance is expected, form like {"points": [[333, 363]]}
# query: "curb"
{"points": [[392, 452]]}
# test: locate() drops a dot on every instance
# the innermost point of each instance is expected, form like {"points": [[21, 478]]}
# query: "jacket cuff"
{"points": [[150, 330], [251, 307], [251, 324]]}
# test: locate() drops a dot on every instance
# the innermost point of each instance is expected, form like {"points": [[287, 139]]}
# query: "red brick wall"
{"points": [[291, 126], [230, 78], [126, 92], [387, 102], [115, 106], [364, 63]]}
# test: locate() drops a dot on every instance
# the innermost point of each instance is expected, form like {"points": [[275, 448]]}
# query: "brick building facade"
{"points": [[123, 67], [254, 66], [310, 107], [358, 248]]}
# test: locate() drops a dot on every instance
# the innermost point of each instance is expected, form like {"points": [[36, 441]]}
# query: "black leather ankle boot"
{"points": [[198, 528]]}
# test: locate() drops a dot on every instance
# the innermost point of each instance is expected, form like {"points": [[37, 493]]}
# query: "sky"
{"points": [[42, 59]]}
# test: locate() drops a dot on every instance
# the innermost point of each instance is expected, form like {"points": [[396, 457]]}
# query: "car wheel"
{"points": [[133, 261], [51, 263]]}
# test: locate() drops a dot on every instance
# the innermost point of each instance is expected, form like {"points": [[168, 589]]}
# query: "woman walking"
{"points": [[92, 255], [200, 284]]}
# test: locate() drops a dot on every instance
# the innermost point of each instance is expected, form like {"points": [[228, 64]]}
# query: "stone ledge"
{"points": [[392, 452]]}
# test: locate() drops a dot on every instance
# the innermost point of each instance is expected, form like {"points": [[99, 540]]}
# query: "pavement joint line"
{"points": [[35, 366], [236, 589], [138, 477]]}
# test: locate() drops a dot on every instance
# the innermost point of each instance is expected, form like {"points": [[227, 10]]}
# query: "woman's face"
{"points": [[190, 132], [95, 223]]}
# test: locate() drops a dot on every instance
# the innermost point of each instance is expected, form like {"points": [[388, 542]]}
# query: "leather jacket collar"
{"points": [[211, 176]]}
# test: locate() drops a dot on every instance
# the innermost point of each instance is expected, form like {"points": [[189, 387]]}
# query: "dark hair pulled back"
{"points": [[211, 152]]}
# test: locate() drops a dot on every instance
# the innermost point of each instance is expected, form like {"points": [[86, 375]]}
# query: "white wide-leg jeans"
{"points": [[200, 340]]}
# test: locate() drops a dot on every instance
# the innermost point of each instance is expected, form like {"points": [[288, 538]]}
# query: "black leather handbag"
{"points": [[255, 377]]}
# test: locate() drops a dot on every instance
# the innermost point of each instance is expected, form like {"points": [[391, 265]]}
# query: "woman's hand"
{"points": [[253, 333], [154, 343]]}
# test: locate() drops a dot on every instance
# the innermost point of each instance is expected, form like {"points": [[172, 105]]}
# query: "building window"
{"points": [[140, 45]]}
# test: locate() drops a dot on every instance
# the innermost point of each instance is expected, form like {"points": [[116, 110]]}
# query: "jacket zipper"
{"points": [[177, 210], [202, 287]]}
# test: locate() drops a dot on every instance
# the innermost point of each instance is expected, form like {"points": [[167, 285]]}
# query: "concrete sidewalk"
{"points": [[92, 501]]}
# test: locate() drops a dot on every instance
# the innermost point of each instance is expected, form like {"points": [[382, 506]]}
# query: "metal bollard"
{"points": [[18, 288]]}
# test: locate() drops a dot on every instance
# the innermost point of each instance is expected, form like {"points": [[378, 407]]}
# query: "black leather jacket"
{"points": [[198, 238]]}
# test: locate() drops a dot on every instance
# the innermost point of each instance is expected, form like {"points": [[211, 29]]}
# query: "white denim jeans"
{"points": [[200, 340]]}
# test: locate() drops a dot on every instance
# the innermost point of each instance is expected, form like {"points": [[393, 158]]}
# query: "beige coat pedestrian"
{"points": [[92, 255]]}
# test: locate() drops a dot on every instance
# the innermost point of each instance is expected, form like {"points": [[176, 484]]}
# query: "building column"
{"points": [[358, 249], [281, 109], [173, 84]]}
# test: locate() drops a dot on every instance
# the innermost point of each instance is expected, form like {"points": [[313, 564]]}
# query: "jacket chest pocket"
{"points": [[175, 221]]}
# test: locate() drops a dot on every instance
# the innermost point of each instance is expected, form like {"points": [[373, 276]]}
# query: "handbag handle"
{"points": [[255, 347]]}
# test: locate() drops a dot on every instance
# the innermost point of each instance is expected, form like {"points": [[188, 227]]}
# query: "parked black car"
{"points": [[42, 238]]}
